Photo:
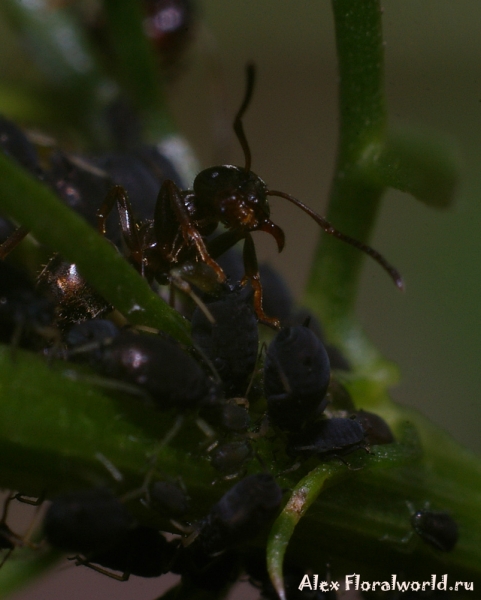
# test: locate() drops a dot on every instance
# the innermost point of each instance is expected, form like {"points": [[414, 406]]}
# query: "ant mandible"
{"points": [[233, 196]]}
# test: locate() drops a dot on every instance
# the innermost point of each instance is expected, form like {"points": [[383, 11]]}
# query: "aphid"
{"points": [[231, 342], [157, 364], [97, 525], [86, 521], [83, 182], [168, 499], [328, 437], [25, 314], [227, 416], [211, 561], [93, 331], [239, 515], [81, 186], [376, 430], [228, 458], [296, 377], [339, 399], [141, 551], [438, 529], [232, 196]]}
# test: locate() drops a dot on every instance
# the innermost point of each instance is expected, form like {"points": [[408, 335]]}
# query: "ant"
{"points": [[233, 196]]}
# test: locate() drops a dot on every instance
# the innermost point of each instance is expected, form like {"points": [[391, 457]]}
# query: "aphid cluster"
{"points": [[166, 233]]}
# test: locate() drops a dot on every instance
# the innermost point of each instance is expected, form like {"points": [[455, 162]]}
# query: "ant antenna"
{"points": [[238, 127], [328, 228]]}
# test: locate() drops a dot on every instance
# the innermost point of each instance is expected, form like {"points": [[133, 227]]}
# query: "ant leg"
{"points": [[118, 195], [177, 279], [104, 211], [252, 274], [84, 562], [12, 241], [171, 193]]}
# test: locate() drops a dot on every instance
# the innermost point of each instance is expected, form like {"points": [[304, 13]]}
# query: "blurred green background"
{"points": [[433, 81]]}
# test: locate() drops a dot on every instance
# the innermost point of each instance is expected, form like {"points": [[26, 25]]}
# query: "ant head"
{"points": [[239, 199], [238, 196]]}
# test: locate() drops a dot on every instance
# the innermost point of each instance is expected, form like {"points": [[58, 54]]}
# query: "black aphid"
{"points": [[141, 551], [86, 521], [24, 312], [168, 499], [231, 342], [158, 365], [227, 416], [328, 437], [438, 529], [376, 430], [296, 377], [240, 514], [228, 458], [91, 332]]}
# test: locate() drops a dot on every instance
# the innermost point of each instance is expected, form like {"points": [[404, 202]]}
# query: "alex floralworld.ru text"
{"points": [[353, 582]]}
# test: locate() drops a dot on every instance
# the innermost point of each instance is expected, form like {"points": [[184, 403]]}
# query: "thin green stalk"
{"points": [[136, 65], [370, 159], [353, 203]]}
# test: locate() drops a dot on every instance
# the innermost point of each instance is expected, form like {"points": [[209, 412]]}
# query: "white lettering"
{"points": [[352, 580], [443, 584], [305, 583]]}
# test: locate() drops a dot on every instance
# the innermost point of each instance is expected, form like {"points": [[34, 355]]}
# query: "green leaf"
{"points": [[423, 165]]}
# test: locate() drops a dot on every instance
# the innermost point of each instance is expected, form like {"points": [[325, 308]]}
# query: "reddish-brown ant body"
{"points": [[232, 196]]}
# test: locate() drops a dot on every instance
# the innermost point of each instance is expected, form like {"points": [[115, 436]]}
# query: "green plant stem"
{"points": [[353, 203], [136, 65], [354, 200], [369, 160]]}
